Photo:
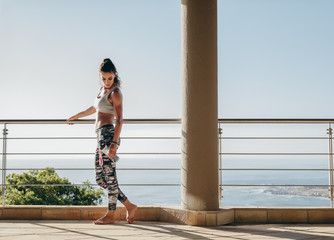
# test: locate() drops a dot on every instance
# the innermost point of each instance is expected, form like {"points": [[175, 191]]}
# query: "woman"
{"points": [[108, 104]]}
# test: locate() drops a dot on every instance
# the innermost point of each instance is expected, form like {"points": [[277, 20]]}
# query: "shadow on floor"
{"points": [[153, 230]]}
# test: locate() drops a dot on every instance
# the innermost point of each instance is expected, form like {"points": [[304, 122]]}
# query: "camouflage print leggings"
{"points": [[105, 167]]}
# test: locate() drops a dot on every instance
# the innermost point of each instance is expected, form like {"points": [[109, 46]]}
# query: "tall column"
{"points": [[199, 183]]}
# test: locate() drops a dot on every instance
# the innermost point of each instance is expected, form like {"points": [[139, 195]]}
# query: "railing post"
{"points": [[4, 155], [220, 188], [330, 159]]}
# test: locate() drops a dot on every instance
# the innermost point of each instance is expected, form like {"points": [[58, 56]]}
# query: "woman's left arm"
{"points": [[116, 97]]}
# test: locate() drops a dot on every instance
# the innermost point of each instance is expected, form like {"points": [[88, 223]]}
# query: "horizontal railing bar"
{"points": [[83, 169], [42, 138], [276, 120], [151, 138], [223, 138], [67, 138], [175, 169], [249, 185], [273, 169], [82, 184], [226, 138], [171, 153], [91, 153], [156, 184], [131, 121], [276, 153], [288, 138], [85, 121]]}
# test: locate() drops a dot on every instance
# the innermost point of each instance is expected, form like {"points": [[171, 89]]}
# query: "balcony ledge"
{"points": [[175, 214]]}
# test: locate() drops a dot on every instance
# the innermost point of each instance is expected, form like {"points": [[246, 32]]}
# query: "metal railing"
{"points": [[5, 139], [222, 153], [278, 121]]}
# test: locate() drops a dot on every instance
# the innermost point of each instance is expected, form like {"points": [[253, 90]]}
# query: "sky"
{"points": [[275, 57], [275, 60]]}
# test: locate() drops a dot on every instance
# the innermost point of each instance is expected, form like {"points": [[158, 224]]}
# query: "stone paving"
{"points": [[56, 229]]}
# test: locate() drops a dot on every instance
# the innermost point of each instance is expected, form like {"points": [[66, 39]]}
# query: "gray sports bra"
{"points": [[102, 104]]}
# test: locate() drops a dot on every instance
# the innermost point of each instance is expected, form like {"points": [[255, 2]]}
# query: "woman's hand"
{"points": [[112, 150], [72, 119]]}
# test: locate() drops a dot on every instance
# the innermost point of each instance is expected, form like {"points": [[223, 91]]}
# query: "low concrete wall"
{"points": [[174, 214], [197, 218], [73, 213], [284, 215]]}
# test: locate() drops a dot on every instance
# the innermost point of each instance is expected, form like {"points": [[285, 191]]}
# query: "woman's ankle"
{"points": [[128, 204], [110, 212]]}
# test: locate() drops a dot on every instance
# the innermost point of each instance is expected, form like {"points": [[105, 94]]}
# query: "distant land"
{"points": [[300, 191]]}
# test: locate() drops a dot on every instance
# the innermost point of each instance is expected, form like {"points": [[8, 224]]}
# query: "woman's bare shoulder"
{"points": [[116, 95]]}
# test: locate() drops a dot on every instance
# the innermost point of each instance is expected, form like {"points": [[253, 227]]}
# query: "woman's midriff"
{"points": [[104, 119]]}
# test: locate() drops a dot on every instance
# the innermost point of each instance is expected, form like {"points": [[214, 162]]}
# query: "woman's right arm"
{"points": [[85, 113]]}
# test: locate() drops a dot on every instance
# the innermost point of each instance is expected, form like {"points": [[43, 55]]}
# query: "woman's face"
{"points": [[107, 79]]}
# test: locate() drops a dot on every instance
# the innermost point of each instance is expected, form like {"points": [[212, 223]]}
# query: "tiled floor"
{"points": [[16, 230]]}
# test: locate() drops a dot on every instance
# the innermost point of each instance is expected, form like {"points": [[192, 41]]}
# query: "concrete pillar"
{"points": [[199, 183]]}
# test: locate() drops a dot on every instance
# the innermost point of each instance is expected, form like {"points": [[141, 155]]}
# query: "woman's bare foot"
{"points": [[106, 219], [131, 211]]}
